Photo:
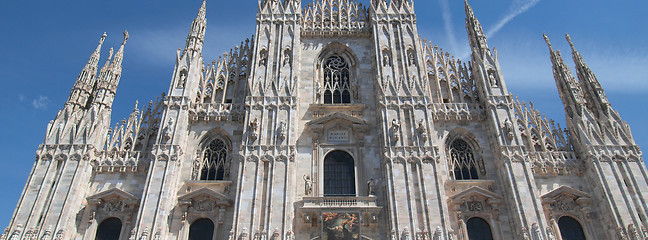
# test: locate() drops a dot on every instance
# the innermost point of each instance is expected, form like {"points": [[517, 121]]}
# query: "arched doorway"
{"points": [[109, 229], [570, 229], [478, 229], [339, 174], [201, 229]]}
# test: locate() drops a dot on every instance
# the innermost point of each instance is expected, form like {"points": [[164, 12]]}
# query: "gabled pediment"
{"points": [[565, 192], [338, 116], [476, 193], [114, 193], [203, 194]]}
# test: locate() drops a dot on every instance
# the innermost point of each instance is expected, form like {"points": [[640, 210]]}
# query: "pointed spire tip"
{"points": [[546, 38], [570, 41], [125, 37]]}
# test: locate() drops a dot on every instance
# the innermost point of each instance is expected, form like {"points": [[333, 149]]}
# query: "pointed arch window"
{"points": [[463, 163], [214, 162], [339, 174], [109, 229], [570, 229], [337, 85], [478, 229]]}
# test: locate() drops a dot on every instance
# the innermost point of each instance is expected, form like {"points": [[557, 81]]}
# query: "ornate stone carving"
{"points": [[564, 205], [475, 206], [204, 205], [60, 235], [115, 205]]}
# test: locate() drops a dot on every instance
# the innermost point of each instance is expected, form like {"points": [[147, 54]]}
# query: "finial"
{"points": [[103, 37], [546, 38], [125, 37], [110, 53], [570, 41]]}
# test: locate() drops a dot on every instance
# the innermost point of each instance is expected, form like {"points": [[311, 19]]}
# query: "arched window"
{"points": [[213, 164], [478, 229], [337, 86], [339, 174], [570, 229], [201, 229], [463, 162], [109, 229]]}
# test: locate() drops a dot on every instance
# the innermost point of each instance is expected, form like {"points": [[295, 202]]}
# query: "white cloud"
{"points": [[447, 22], [518, 7], [21, 98], [41, 102]]}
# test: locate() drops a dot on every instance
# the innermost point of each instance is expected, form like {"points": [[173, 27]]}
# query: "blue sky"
{"points": [[47, 43]]}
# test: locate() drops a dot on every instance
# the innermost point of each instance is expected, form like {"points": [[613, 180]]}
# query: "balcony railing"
{"points": [[340, 202]]}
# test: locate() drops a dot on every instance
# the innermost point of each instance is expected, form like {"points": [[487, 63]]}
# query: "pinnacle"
{"points": [[125, 37], [546, 38], [569, 40]]}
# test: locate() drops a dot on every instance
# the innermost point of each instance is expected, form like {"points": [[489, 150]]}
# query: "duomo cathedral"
{"points": [[335, 121]]}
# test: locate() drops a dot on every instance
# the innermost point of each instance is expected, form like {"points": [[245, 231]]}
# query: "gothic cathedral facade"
{"points": [[335, 121]]}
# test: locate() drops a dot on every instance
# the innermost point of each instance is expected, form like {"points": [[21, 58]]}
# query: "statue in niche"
{"points": [[411, 58], [371, 187], [253, 129], [263, 57], [492, 78], [287, 58], [168, 130], [282, 130], [422, 130], [183, 79], [386, 61], [508, 129], [318, 91], [308, 185], [394, 130]]}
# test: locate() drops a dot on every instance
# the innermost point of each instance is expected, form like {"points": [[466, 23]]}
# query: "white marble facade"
{"points": [[335, 121]]}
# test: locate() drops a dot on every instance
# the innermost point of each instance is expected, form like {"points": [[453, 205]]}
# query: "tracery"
{"points": [[337, 87]]}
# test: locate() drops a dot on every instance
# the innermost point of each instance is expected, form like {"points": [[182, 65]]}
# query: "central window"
{"points": [[463, 162], [337, 88], [339, 174], [212, 166]]}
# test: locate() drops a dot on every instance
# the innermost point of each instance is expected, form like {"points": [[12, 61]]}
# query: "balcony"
{"points": [[314, 207]]}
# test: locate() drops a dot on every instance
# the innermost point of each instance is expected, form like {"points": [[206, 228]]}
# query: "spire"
{"points": [[196, 36], [116, 65], [593, 91], [108, 80], [568, 88], [202, 12], [476, 34], [85, 81]]}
